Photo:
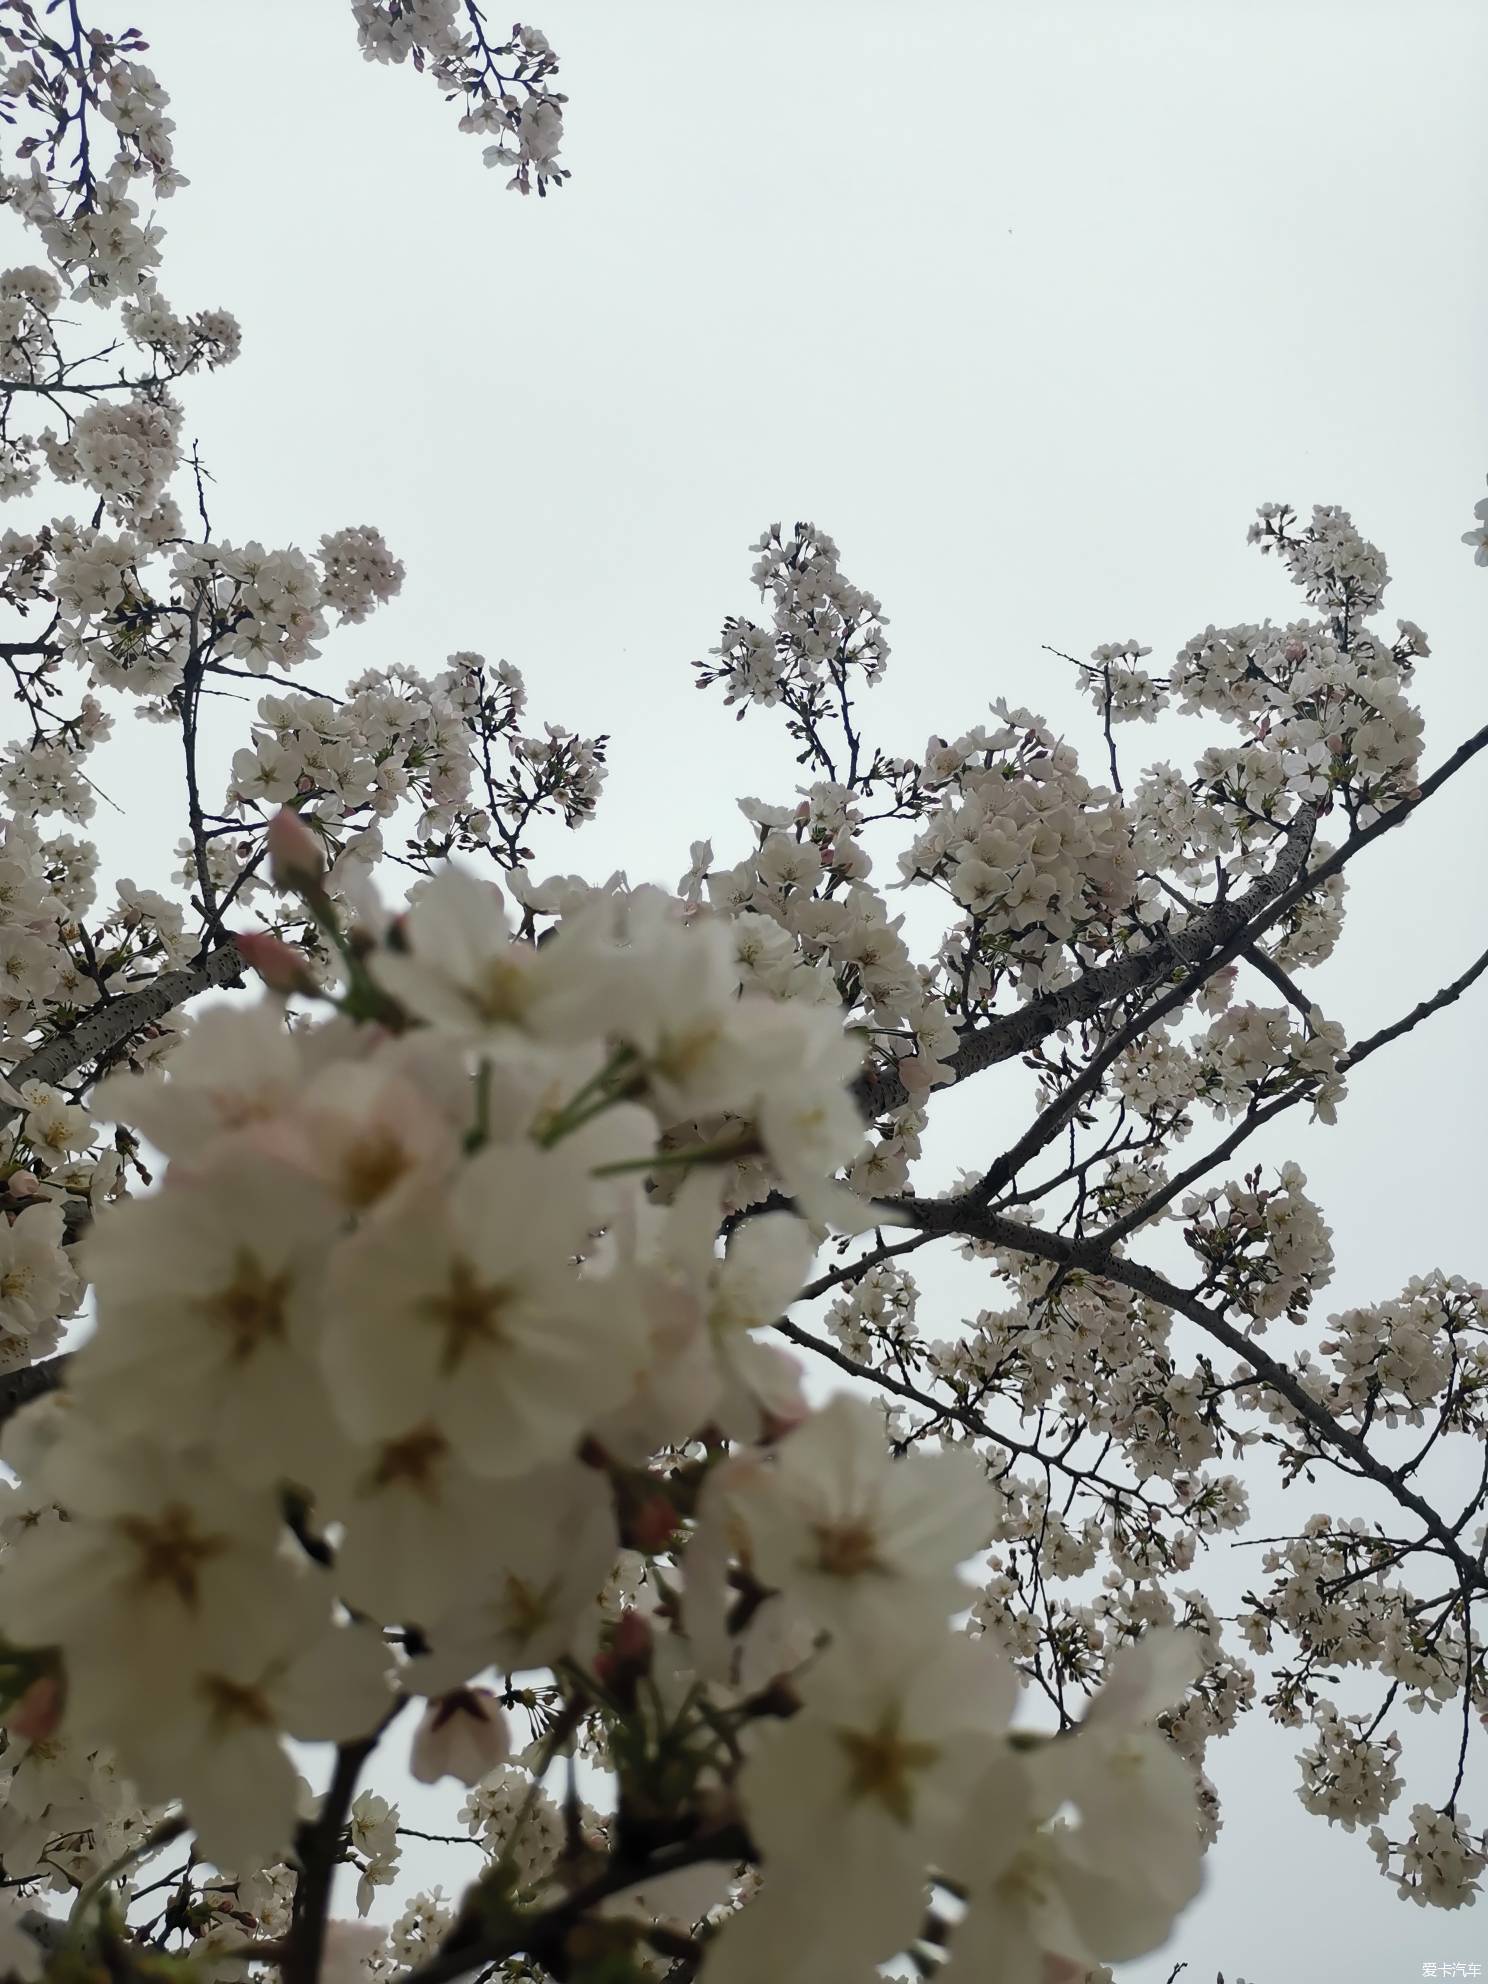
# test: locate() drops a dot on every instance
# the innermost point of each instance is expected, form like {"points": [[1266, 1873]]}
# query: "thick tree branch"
{"points": [[1052, 1119], [1397, 815], [544, 1935], [319, 1854], [1253, 955], [1200, 942], [116, 1020], [18, 1388], [1194, 945]]}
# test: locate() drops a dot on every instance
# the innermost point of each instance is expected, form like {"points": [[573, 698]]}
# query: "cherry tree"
{"points": [[503, 1359]]}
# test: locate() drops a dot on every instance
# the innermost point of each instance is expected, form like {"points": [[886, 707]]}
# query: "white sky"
{"points": [[1028, 306]]}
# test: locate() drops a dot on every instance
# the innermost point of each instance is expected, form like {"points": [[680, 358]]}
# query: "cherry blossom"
{"points": [[504, 1306]]}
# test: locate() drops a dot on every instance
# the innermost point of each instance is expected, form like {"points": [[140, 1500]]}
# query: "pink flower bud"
{"points": [[461, 1735], [1063, 1970], [35, 1715], [1295, 650], [295, 858], [620, 1665], [632, 1641], [280, 967], [653, 1525]]}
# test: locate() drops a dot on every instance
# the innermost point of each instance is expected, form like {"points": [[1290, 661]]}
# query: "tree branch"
{"points": [[1249, 1124], [974, 1222], [1197, 943], [543, 1936], [319, 1854], [106, 1025], [18, 1388], [1194, 945]]}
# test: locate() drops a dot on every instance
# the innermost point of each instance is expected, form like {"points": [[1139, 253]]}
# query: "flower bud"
{"points": [[632, 1641], [653, 1525], [295, 858], [628, 1656], [461, 1735], [280, 966], [35, 1714], [1063, 1970]]}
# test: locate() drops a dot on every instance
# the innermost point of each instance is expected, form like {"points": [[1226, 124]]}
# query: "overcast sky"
{"points": [[1029, 306]]}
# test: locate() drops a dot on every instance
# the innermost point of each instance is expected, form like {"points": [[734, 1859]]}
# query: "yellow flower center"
{"points": [[231, 1702], [170, 1550], [251, 1308], [882, 1765], [502, 991], [468, 1311], [371, 1166], [527, 1607], [416, 1459], [682, 1055], [847, 1550]]}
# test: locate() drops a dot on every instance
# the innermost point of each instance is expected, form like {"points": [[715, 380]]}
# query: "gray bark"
{"points": [[1200, 939], [113, 1021]]}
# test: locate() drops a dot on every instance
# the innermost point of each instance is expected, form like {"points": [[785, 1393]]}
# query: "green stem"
{"points": [[721, 1149]]}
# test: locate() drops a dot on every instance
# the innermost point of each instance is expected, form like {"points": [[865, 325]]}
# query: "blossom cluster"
{"points": [[1267, 1247], [824, 630], [1395, 1358], [444, 1361], [402, 1284], [513, 103]]}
